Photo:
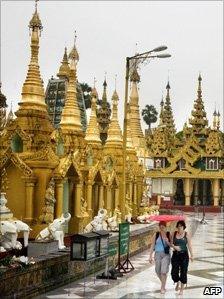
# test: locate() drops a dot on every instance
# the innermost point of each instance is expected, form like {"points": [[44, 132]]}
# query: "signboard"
{"points": [[124, 229], [112, 250]]}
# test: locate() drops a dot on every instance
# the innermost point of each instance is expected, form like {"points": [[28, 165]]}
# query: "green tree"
{"points": [[86, 89], [149, 114], [179, 135]]}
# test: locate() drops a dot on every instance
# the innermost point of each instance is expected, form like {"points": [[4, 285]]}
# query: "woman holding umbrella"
{"points": [[180, 259], [161, 246]]}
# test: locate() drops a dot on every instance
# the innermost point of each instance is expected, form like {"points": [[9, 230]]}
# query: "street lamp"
{"points": [[135, 60]]}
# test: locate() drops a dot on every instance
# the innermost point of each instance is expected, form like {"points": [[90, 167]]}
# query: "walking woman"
{"points": [[160, 244], [181, 243]]}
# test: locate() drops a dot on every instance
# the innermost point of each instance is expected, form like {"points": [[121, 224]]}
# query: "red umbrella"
{"points": [[166, 218]]}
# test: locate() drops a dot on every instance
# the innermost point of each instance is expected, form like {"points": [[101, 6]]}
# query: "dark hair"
{"points": [[181, 223], [162, 223]]}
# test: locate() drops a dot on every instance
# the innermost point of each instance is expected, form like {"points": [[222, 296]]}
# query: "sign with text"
{"points": [[124, 232]]}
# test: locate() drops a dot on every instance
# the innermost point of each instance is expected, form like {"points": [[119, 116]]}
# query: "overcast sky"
{"points": [[107, 32]]}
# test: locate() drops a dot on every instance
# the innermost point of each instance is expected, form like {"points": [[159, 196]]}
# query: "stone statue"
{"points": [[54, 231], [84, 212], [98, 223], [128, 209], [117, 213], [9, 230], [48, 209]]}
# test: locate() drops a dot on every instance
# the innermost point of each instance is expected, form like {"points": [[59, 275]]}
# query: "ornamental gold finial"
{"points": [[115, 82]]}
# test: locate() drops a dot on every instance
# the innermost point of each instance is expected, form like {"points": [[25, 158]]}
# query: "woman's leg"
{"points": [[175, 268], [183, 271], [158, 264], [164, 270]]}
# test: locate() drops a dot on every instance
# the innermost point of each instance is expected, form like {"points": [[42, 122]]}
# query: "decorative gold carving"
{"points": [[47, 215]]}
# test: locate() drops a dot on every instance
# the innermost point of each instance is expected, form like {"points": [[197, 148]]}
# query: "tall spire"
{"points": [[161, 116], [135, 124], [114, 135], [103, 115], [33, 90], [64, 68], [92, 131], [70, 117], [104, 96], [167, 112], [198, 118], [129, 139]]}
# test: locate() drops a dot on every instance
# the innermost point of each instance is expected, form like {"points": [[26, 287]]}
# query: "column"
{"points": [[29, 204], [135, 203], [89, 198], [108, 200], [58, 197], [187, 191], [101, 200], [196, 192], [116, 197], [78, 194], [215, 189], [222, 192]]}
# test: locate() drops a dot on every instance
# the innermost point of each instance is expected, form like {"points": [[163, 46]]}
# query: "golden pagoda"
{"points": [[191, 171]]}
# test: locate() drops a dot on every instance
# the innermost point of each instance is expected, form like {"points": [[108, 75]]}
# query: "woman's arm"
{"points": [[152, 247], [177, 248], [189, 245]]}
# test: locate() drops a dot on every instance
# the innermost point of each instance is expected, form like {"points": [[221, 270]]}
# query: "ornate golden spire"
{"points": [[198, 118], [74, 55], [168, 120], [33, 90], [104, 96], [114, 135], [70, 117], [64, 68], [215, 120], [135, 124], [161, 116], [92, 131]]}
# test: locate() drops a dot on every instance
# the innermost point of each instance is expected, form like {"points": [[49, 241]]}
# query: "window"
{"points": [[211, 163]]}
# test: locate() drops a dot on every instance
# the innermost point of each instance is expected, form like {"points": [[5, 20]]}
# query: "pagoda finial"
{"points": [[74, 55], [92, 131], [198, 118], [167, 113], [104, 96], [115, 82], [114, 135], [33, 90], [64, 68]]}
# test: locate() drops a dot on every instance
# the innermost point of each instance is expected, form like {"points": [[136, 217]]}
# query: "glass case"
{"points": [[84, 246], [102, 243]]}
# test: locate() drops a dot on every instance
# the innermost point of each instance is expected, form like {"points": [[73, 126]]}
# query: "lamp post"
{"points": [[136, 59]]}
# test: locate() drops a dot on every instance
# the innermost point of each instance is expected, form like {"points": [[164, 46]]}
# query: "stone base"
{"points": [[37, 248]]}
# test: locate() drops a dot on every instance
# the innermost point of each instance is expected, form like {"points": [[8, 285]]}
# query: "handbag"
{"points": [[167, 248]]}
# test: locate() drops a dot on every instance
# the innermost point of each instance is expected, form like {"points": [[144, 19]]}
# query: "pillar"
{"points": [[215, 189], [89, 198], [78, 194], [135, 203], [187, 191], [101, 200], [116, 197], [58, 197], [29, 204], [196, 192], [108, 204]]}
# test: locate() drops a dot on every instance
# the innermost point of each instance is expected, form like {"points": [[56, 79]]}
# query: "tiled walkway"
{"points": [[206, 270]]}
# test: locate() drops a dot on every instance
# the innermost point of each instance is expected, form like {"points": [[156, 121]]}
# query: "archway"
{"points": [[179, 197], [69, 191], [17, 144], [202, 193], [97, 193]]}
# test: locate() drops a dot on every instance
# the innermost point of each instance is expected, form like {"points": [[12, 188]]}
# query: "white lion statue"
{"points": [[54, 231]]}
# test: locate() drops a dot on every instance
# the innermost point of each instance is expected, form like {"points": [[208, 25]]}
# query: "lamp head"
{"points": [[160, 48], [163, 55]]}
